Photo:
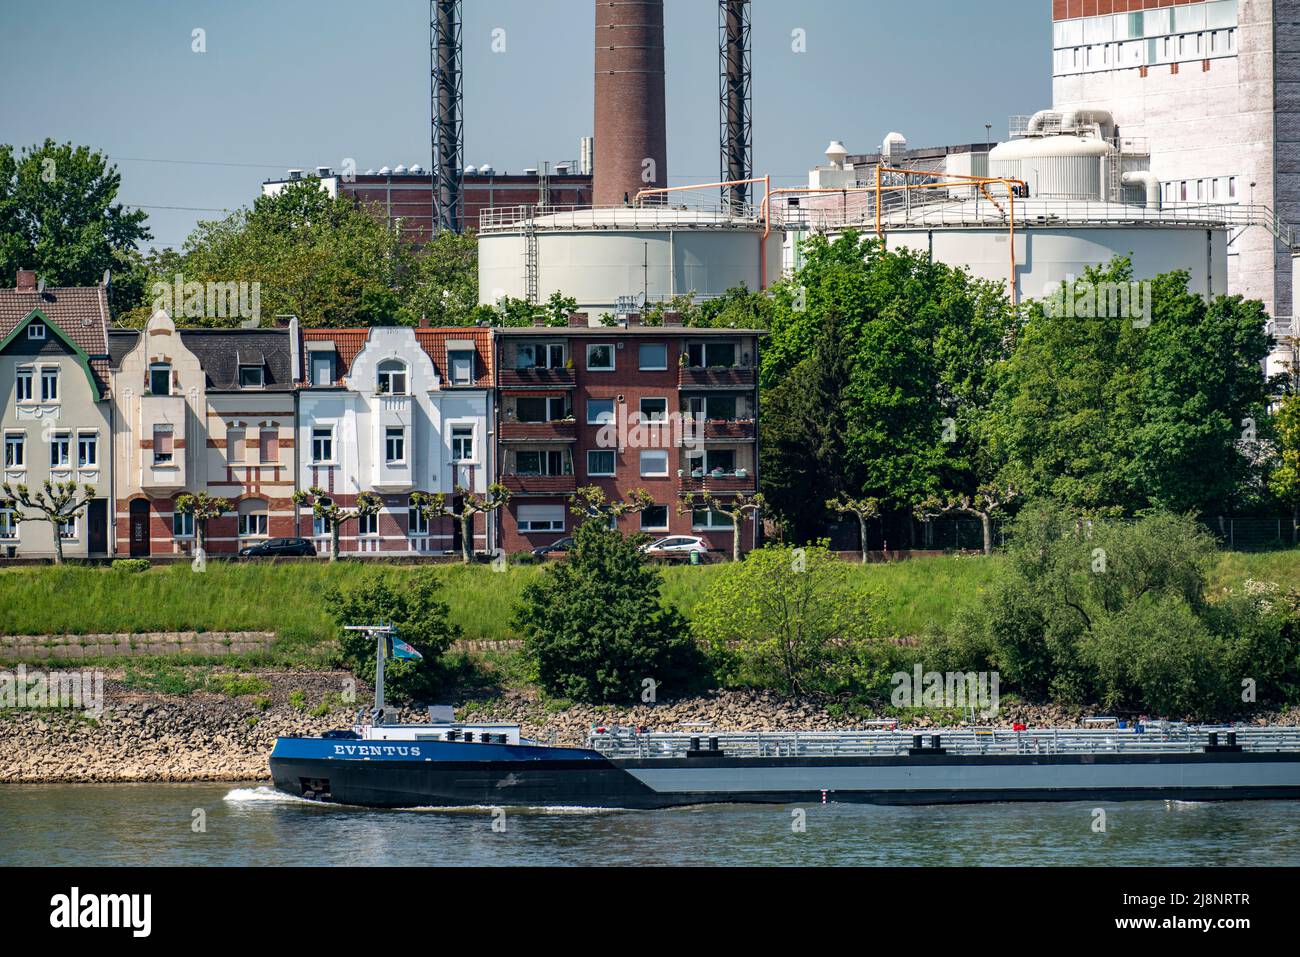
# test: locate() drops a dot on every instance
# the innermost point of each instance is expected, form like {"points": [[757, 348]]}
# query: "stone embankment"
{"points": [[205, 736]]}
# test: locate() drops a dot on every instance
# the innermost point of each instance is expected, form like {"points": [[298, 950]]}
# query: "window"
{"points": [[36, 330], [68, 529], [237, 452], [49, 385], [654, 518], [24, 385], [252, 518], [322, 369], [417, 521], [460, 362], [15, 446], [539, 408], [713, 407], [462, 443], [88, 450], [543, 462], [60, 450], [654, 462], [392, 378], [395, 444], [252, 377], [160, 379], [163, 444], [322, 445], [182, 525], [600, 462], [713, 460], [600, 358], [654, 410], [600, 411], [654, 356], [709, 518], [541, 518], [8, 524], [540, 355], [712, 355], [368, 524], [269, 445]]}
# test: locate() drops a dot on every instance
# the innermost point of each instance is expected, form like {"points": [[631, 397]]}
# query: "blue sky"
{"points": [[304, 84]]}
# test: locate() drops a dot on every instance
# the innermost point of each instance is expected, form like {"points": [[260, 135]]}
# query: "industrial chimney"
{"points": [[631, 136]]}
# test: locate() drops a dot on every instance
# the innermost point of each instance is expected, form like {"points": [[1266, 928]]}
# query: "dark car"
{"points": [[279, 546], [563, 545]]}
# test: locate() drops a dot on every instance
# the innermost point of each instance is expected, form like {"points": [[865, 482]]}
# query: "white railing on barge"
{"points": [[1155, 738]]}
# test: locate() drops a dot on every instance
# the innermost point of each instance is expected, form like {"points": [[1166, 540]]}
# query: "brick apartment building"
{"points": [[622, 408]]}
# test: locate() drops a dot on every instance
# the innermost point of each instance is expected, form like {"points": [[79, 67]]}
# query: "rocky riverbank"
{"points": [[204, 735]]}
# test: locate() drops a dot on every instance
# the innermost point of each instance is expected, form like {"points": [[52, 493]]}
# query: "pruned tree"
{"points": [[334, 515], [56, 502], [590, 502], [987, 502], [203, 507], [737, 508], [471, 504], [864, 509]]}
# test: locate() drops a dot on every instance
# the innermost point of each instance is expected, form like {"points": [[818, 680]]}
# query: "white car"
{"points": [[676, 545]]}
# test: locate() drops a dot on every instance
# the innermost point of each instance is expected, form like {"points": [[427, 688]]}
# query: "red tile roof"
{"points": [[347, 343], [79, 312], [434, 342]]}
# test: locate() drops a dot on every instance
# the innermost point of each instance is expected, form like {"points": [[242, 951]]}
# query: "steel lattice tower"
{"points": [[735, 101], [446, 110]]}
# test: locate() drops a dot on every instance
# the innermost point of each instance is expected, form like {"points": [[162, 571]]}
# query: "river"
{"points": [[250, 824]]}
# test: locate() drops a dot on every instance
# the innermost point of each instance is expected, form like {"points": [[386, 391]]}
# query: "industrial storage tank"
{"points": [[606, 257], [1062, 167]]}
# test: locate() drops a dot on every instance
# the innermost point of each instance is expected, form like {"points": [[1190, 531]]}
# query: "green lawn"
{"points": [[916, 596]]}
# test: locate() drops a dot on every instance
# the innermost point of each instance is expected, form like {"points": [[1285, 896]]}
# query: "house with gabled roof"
{"points": [[56, 415], [203, 410]]}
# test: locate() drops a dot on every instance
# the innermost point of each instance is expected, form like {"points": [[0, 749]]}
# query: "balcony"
{"points": [[537, 379], [729, 430], [162, 416], [728, 483], [540, 484], [699, 377], [560, 430]]}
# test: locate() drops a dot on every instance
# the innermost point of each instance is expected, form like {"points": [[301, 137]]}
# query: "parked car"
{"points": [[563, 545], [278, 546], [676, 546]]}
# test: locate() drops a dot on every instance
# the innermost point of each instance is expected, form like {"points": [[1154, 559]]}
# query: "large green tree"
{"points": [[59, 215]]}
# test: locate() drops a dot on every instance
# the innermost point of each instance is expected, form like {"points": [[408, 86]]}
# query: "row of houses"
{"points": [[253, 414]]}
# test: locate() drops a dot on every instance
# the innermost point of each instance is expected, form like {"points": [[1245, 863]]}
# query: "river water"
{"points": [[250, 824]]}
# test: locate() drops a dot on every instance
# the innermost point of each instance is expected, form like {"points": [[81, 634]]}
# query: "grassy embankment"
{"points": [[915, 596]]}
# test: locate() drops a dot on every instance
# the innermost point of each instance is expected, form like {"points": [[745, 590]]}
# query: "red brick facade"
{"points": [[1070, 9]]}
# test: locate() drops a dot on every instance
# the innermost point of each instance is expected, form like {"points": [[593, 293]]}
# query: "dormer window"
{"points": [[392, 378], [36, 330], [460, 366], [160, 378], [252, 377]]}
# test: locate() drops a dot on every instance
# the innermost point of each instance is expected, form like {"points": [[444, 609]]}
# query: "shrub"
{"points": [[237, 685], [524, 558], [594, 625], [422, 621], [131, 564], [794, 619]]}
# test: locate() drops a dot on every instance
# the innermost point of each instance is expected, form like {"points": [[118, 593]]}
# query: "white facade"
{"points": [[394, 427]]}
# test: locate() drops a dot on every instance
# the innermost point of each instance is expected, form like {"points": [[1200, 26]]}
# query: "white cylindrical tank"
{"points": [[599, 256], [1063, 167]]}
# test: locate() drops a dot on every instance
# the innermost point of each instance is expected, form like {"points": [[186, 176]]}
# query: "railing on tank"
{"points": [[1156, 737], [711, 215]]}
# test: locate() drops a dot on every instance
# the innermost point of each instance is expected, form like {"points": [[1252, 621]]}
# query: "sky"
{"points": [[284, 84]]}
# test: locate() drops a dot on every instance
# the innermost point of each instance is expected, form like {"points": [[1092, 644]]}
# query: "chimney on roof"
{"points": [[424, 322], [672, 318], [578, 319], [633, 319], [539, 321], [27, 280]]}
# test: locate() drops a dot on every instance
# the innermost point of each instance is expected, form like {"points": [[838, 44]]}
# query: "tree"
{"points": [[471, 504], [736, 507], [57, 503], [595, 625], [59, 215], [791, 618], [863, 509], [203, 507], [1284, 480], [590, 502], [334, 515], [984, 505], [440, 281], [1101, 411], [421, 619]]}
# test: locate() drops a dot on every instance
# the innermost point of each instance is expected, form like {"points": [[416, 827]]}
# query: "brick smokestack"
{"points": [[631, 128]]}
